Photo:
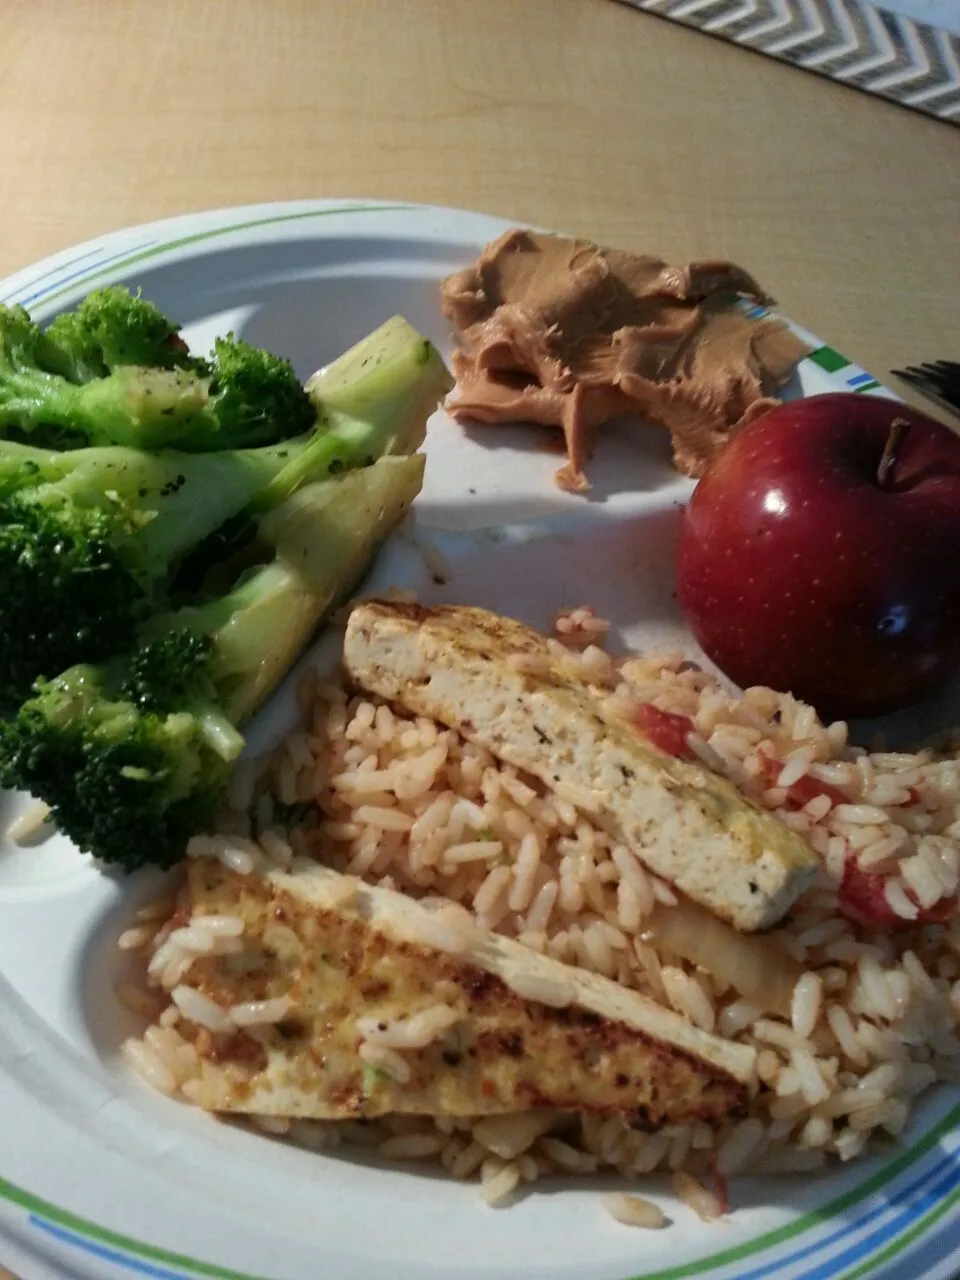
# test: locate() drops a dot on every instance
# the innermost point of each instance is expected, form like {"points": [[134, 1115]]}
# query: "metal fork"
{"points": [[938, 380]]}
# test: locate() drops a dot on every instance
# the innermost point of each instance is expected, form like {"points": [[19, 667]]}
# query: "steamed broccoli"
{"points": [[110, 328], [93, 541], [256, 399], [114, 372], [119, 779], [132, 751], [132, 756]]}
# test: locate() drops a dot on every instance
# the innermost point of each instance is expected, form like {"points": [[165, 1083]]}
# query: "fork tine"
{"points": [[946, 381], [939, 374], [938, 381], [940, 369], [909, 375], [951, 401]]}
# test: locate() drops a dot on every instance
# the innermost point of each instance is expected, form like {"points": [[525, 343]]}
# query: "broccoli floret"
{"points": [[133, 756], [51, 395], [120, 780], [75, 555], [168, 673], [132, 405], [257, 397], [22, 376], [110, 328]]}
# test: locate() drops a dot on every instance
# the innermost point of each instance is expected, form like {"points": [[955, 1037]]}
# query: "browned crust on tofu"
{"points": [[508, 1053]]}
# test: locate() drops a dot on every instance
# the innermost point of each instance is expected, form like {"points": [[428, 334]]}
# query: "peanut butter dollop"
{"points": [[564, 333]]}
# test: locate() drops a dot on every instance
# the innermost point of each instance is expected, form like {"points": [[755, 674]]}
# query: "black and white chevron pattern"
{"points": [[909, 62]]}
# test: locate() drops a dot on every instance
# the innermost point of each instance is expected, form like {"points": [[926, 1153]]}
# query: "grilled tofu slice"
{"points": [[687, 824], [525, 1031]]}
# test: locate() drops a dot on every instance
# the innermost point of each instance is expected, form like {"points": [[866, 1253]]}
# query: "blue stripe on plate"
{"points": [[859, 379], [911, 1203], [56, 280], [102, 1251], [52, 271]]}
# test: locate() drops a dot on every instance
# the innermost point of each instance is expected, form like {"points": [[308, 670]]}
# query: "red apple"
{"points": [[820, 554]]}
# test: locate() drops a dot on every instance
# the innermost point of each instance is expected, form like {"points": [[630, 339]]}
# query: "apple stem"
{"points": [[891, 450]]}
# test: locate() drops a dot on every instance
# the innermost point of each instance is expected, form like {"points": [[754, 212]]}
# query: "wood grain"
{"points": [[584, 115]]}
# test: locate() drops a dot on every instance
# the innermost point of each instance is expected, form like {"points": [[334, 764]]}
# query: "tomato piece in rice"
{"points": [[664, 729], [862, 899], [805, 789]]}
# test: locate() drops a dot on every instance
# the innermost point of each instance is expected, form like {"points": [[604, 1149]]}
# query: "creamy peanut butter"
{"points": [[564, 333]]}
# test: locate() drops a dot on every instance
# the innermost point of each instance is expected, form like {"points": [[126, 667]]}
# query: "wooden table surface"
{"points": [[583, 115]]}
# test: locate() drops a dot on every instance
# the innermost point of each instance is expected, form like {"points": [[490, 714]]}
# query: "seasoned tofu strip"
{"points": [[688, 824], [388, 1005]]}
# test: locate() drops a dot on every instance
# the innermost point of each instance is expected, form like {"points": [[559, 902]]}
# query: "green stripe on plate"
{"points": [[43, 1208], [901, 1242], [817, 1216], [828, 359], [142, 254], [867, 386]]}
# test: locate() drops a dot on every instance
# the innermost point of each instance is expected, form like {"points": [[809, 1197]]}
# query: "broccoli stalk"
{"points": [[393, 360], [163, 503], [91, 394], [323, 538], [23, 465], [373, 401], [132, 756]]}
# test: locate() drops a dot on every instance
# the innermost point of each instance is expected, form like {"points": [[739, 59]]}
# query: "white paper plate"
{"points": [[100, 1177]]}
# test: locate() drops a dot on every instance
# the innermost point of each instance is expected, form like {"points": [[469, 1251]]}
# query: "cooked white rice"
{"points": [[29, 823], [404, 802], [634, 1211]]}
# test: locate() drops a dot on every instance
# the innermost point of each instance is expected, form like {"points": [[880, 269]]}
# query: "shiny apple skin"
{"points": [[798, 571]]}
